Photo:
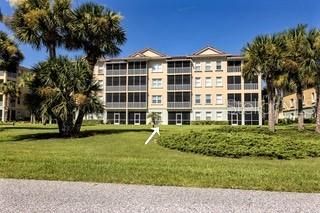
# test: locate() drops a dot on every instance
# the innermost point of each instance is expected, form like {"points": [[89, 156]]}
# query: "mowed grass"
{"points": [[117, 154]]}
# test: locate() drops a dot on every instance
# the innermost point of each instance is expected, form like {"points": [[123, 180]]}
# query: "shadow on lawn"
{"points": [[3, 128], [83, 134]]}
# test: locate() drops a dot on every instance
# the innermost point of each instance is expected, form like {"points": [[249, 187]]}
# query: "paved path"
{"points": [[55, 196]]}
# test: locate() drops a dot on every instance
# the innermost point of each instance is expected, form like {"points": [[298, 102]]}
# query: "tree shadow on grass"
{"points": [[3, 128], [83, 134]]}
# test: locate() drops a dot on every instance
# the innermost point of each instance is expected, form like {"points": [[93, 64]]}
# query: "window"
{"points": [[208, 116], [197, 82], [156, 99], [197, 67], [219, 99], [157, 68], [208, 67], [157, 83], [197, 99], [208, 82], [100, 69], [198, 116], [208, 99], [218, 116], [218, 65], [219, 82]]}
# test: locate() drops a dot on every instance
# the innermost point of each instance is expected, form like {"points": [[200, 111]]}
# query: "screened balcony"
{"points": [[179, 67], [137, 68], [179, 105], [116, 105], [137, 83], [116, 69], [179, 100], [234, 66], [251, 84], [179, 82], [234, 82], [137, 100]]}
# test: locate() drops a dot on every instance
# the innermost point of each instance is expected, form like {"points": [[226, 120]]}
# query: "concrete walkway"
{"points": [[57, 196]]}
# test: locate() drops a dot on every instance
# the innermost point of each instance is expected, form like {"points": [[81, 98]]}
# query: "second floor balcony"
{"points": [[179, 105], [137, 88], [142, 71], [137, 105], [234, 86], [120, 88], [234, 69], [116, 72], [251, 86], [251, 104], [234, 104], [179, 86], [116, 105], [179, 70]]}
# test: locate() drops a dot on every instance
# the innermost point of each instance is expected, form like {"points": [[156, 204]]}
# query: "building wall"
{"points": [[218, 111], [290, 105]]}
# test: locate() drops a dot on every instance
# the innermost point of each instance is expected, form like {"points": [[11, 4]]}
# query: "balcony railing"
{"points": [[178, 70], [250, 86], [115, 88], [1, 104], [251, 104], [137, 105], [137, 88], [116, 105], [179, 105], [137, 71], [234, 69], [117, 72], [234, 104], [179, 86], [1, 73], [234, 86]]}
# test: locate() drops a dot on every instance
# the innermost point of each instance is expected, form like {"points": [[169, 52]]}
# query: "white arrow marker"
{"points": [[155, 130]]}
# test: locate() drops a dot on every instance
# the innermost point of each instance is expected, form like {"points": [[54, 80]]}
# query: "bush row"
{"points": [[238, 142], [209, 123]]}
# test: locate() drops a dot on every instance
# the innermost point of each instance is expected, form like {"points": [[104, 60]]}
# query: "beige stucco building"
{"points": [[290, 104], [16, 107], [205, 85]]}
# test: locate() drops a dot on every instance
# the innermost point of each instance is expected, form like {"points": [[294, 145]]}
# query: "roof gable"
{"points": [[147, 53], [209, 51]]}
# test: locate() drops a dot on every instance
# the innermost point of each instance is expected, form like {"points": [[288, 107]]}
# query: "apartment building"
{"points": [[290, 105], [15, 109], [206, 85]]}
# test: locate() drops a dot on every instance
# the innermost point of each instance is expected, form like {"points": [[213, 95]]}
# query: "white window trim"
{"points": [[195, 82], [210, 84], [208, 95], [157, 85], [217, 81], [195, 102], [219, 95]]}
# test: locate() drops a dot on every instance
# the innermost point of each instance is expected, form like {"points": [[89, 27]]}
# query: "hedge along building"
{"points": [[206, 85]]}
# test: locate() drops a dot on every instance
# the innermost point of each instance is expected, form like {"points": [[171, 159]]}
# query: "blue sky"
{"points": [[178, 27]]}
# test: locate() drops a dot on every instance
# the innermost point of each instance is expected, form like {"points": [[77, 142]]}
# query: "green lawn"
{"points": [[117, 154]]}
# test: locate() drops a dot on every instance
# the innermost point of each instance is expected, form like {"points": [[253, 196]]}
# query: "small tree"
{"points": [[63, 87], [155, 118]]}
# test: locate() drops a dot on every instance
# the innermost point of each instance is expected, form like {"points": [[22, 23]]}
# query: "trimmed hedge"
{"points": [[237, 142]]}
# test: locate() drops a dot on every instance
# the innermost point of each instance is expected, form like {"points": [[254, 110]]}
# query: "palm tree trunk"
{"points": [[52, 51], [318, 109], [6, 107], [300, 108], [271, 117]]}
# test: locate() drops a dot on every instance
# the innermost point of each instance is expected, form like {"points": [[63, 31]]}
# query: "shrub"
{"points": [[236, 142], [91, 122]]}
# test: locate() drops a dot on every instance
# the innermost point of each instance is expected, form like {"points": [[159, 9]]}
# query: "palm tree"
{"points": [[263, 56], [40, 23], [296, 49], [97, 31], [64, 86], [155, 118], [313, 66]]}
